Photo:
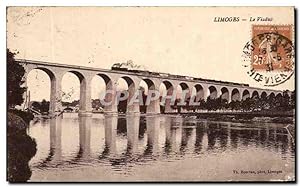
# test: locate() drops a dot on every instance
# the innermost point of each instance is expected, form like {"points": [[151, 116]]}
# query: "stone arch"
{"points": [[85, 92], [170, 97], [199, 92], [263, 94], [168, 84], [152, 104], [109, 94], [246, 94], [272, 95], [255, 94], [78, 74], [150, 83], [278, 95], [105, 77], [109, 83], [55, 101], [50, 73], [46, 70], [235, 95], [225, 94], [132, 88], [185, 88], [213, 93], [129, 80]]}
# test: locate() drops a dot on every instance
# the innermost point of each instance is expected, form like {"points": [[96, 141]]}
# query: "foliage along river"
{"points": [[159, 148]]}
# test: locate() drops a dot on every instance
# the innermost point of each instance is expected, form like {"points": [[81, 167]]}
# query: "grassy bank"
{"points": [[287, 117]]}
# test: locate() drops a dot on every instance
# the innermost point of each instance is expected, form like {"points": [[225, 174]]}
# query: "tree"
{"points": [[202, 105], [264, 103], [225, 104], [45, 106], [248, 104], [235, 105], [293, 99], [36, 105], [271, 102], [285, 101], [15, 73], [213, 104]]}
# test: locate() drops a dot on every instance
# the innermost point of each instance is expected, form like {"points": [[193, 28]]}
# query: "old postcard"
{"points": [[151, 94]]}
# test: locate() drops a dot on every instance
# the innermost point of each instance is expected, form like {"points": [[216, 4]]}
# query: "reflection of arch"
{"points": [[55, 151], [132, 127], [84, 137], [152, 125], [255, 94], [213, 94], [187, 139], [173, 128], [110, 134], [199, 92], [246, 94], [225, 94], [263, 95], [235, 95]]}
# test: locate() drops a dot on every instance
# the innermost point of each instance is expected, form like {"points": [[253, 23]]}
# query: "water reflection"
{"points": [[173, 128], [55, 139], [132, 125], [84, 138], [153, 126], [55, 151], [139, 139], [110, 123]]}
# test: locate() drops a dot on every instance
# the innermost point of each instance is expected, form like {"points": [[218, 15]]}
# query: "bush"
{"points": [[20, 149], [27, 116]]}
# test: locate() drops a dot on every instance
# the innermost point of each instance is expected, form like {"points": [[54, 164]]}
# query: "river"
{"points": [[159, 148]]}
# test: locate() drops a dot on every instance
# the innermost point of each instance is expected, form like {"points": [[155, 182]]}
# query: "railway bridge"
{"points": [[205, 88]]}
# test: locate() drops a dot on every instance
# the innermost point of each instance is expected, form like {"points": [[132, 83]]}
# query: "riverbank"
{"points": [[287, 117], [20, 149]]}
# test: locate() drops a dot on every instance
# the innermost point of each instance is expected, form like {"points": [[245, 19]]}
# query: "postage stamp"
{"points": [[269, 56]]}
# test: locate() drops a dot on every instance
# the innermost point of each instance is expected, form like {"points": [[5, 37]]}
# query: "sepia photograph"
{"points": [[150, 94]]}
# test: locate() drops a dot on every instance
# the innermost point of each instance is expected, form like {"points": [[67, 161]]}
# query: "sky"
{"points": [[178, 40]]}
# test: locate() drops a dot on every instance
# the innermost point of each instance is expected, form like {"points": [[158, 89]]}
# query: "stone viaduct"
{"points": [[204, 88]]}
